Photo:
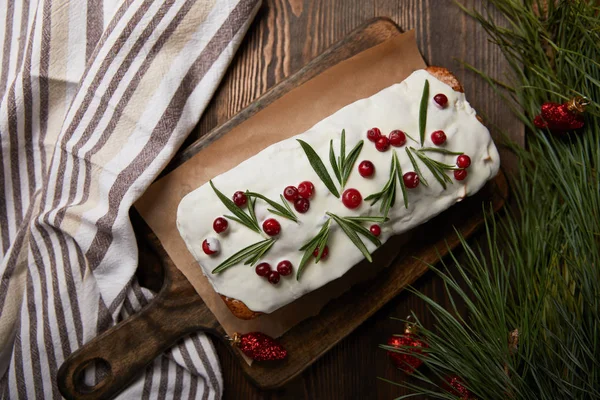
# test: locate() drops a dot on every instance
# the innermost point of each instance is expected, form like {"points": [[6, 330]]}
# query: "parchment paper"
{"points": [[358, 77]]}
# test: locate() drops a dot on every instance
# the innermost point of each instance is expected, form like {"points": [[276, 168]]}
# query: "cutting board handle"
{"points": [[125, 350]]}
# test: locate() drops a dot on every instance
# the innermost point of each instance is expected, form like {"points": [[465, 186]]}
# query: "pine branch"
{"points": [[539, 270]]}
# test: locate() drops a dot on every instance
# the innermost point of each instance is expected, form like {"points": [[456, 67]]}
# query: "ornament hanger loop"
{"points": [[578, 104]]}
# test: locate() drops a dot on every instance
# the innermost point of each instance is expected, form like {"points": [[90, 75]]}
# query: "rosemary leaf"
{"points": [[435, 171], [231, 217], [321, 246], [401, 179], [334, 163], [343, 150], [416, 167], [242, 217], [387, 195], [246, 253], [363, 231], [286, 204], [260, 252], [350, 161], [251, 206], [379, 220], [351, 233], [278, 208], [309, 247], [423, 111], [319, 167], [440, 150]]}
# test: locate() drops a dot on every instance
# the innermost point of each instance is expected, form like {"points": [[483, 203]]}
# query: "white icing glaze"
{"points": [[284, 163]]}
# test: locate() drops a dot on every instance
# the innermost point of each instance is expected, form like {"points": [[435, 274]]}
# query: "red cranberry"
{"points": [[220, 225], [373, 134], [441, 99], [284, 268], [273, 277], [382, 144], [301, 205], [463, 161], [271, 227], [210, 246], [290, 193], [306, 189], [375, 230], [460, 174], [366, 169], [438, 138], [411, 180], [397, 138], [351, 198], [325, 252], [240, 199], [262, 269]]}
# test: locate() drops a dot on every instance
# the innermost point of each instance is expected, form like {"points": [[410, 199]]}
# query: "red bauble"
{"points": [[561, 117], [351, 198], [259, 347], [271, 227], [456, 386], [410, 343], [366, 169], [306, 189]]}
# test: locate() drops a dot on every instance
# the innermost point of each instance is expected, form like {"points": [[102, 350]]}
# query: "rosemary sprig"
{"points": [[283, 211], [387, 195], [249, 221], [416, 167], [423, 111], [437, 168], [249, 255], [320, 240], [342, 167], [352, 228], [319, 167]]}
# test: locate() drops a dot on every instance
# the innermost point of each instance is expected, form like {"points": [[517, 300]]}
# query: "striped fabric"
{"points": [[96, 96]]}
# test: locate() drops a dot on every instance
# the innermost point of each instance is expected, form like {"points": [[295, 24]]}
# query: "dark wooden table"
{"points": [[285, 35]]}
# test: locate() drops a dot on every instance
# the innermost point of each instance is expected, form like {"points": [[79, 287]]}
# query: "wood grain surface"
{"points": [[285, 35]]}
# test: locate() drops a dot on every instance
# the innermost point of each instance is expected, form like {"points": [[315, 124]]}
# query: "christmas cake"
{"points": [[303, 211]]}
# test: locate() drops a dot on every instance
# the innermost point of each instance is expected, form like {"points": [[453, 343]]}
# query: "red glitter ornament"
{"points": [[259, 347], [410, 343], [562, 117], [456, 386]]}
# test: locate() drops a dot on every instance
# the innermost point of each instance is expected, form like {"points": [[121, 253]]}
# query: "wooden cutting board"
{"points": [[126, 349]]}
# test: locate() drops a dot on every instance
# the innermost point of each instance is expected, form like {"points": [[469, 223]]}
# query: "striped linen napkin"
{"points": [[96, 97]]}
